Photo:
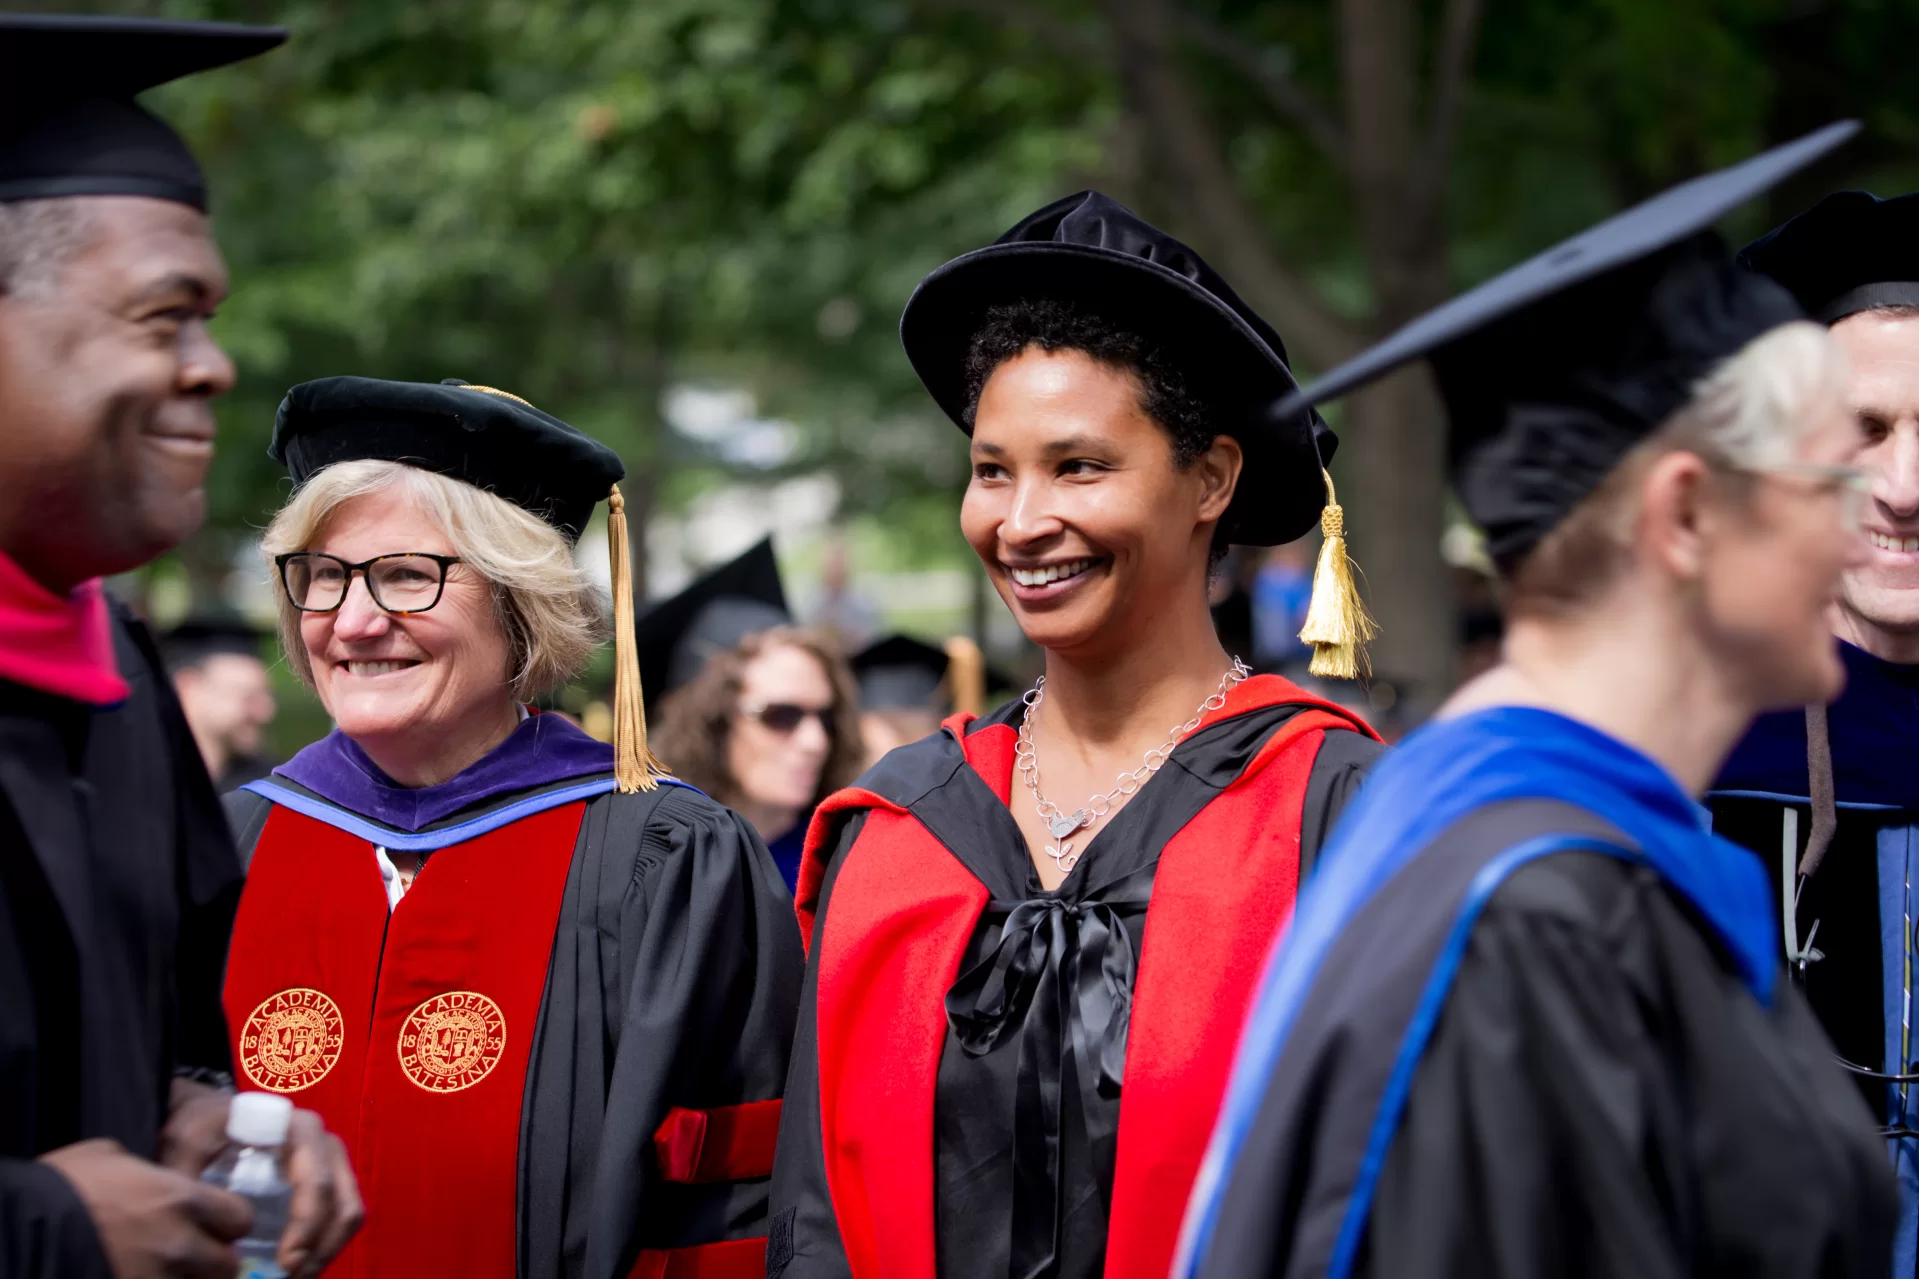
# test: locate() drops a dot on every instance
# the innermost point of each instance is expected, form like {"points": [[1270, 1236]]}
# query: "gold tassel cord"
{"points": [[965, 676], [634, 766], [1337, 623]]}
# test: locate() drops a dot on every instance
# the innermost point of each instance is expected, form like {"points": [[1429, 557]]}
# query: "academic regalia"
{"points": [[118, 883], [560, 1052], [1851, 946], [117, 876], [933, 1060], [1529, 1019]]}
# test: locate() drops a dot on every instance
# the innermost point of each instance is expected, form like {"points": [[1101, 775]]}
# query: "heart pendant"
{"points": [[1066, 825]]}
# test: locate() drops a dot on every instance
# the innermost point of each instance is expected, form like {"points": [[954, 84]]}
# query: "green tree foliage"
{"points": [[581, 200]]}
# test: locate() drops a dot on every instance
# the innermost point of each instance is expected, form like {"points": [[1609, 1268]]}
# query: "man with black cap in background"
{"points": [[225, 692], [1828, 796], [117, 875]]}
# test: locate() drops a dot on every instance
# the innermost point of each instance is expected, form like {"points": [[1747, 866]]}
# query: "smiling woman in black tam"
{"points": [[543, 989], [1016, 1083]]}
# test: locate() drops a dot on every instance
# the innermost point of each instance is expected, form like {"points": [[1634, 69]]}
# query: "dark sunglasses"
{"points": [[784, 717]]}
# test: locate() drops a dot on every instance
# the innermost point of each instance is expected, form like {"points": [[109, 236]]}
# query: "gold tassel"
{"points": [[634, 766], [1337, 624], [965, 675]]}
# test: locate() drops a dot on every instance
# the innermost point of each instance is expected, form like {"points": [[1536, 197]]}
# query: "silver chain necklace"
{"points": [[1062, 824]]}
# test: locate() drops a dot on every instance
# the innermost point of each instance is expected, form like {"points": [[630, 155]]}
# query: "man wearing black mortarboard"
{"points": [[1828, 795], [1532, 1019], [117, 875]]}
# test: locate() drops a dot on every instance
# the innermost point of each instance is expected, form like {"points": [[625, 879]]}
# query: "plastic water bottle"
{"points": [[252, 1167]]}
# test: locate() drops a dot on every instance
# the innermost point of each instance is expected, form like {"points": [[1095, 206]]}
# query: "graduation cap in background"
{"points": [[1850, 252], [1553, 371], [721, 607], [901, 672], [495, 441], [204, 635], [1091, 252], [69, 124]]}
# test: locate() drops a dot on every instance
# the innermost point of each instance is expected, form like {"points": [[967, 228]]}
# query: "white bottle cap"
{"points": [[259, 1118]]}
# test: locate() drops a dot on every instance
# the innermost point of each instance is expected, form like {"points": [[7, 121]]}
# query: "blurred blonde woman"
{"points": [[521, 972]]}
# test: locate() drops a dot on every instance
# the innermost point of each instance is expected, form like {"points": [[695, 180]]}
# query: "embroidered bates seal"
{"points": [[291, 1040], [452, 1041]]}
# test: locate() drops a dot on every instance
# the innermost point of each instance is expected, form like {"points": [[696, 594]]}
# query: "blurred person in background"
{"points": [[408, 955], [1282, 592], [117, 876], [841, 611], [226, 693], [758, 713], [908, 686], [1828, 795], [1026, 976], [1531, 1021]]}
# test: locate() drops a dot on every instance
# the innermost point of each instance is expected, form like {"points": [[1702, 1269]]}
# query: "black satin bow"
{"points": [[1018, 989]]}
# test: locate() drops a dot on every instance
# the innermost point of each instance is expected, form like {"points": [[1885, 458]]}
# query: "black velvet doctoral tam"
{"points": [[488, 438], [1095, 254]]}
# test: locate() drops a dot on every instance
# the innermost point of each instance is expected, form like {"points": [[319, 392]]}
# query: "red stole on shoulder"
{"points": [[902, 913], [410, 1034]]}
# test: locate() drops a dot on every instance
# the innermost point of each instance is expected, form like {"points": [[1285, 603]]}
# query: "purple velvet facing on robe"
{"points": [[542, 750]]}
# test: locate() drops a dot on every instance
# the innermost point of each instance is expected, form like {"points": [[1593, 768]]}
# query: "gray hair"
{"points": [[1748, 413], [552, 614], [36, 239]]}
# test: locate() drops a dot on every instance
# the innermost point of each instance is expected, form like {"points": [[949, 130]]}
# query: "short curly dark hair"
{"points": [[1054, 325]]}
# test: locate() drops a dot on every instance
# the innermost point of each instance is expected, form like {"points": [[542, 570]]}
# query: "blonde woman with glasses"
{"points": [[541, 989]]}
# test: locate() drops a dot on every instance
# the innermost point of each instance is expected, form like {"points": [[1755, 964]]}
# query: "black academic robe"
{"points": [[559, 1055], [1601, 1095], [117, 890], [994, 1080]]}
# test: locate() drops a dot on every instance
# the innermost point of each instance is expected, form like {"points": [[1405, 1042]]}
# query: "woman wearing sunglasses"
{"points": [[542, 990], [769, 727], [1033, 935]]}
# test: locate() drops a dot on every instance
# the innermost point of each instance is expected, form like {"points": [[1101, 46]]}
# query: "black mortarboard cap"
{"points": [[1554, 370], [68, 121], [490, 439], [721, 607], [898, 670], [204, 635], [901, 671], [1850, 252], [1091, 251]]}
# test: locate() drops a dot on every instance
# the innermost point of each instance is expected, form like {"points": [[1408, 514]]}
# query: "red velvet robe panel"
{"points": [[410, 1033]]}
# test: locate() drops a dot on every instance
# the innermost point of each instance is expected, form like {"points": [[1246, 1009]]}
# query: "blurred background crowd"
{"points": [[689, 226]]}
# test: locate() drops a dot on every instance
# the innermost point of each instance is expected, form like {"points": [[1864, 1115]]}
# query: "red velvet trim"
{"points": [[726, 1143], [436, 1155], [903, 910], [813, 852], [59, 644], [731, 1259], [1223, 892]]}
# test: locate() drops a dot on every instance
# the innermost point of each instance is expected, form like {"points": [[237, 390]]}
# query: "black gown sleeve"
{"points": [[804, 1242], [674, 982], [1343, 761], [45, 1232], [1537, 1137], [247, 815]]}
